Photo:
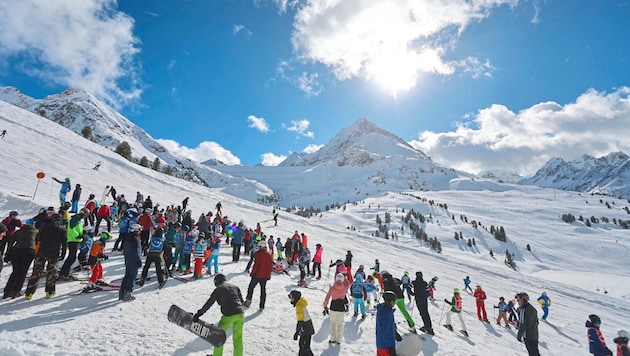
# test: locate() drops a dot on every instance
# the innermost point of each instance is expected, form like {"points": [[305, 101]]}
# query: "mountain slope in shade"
{"points": [[606, 175]]}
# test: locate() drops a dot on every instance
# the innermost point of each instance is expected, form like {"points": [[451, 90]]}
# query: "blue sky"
{"points": [[475, 84]]}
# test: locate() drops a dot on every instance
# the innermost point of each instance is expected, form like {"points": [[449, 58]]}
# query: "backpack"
{"points": [[357, 290]]}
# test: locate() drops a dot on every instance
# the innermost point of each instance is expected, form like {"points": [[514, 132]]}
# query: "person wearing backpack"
{"points": [[359, 294], [406, 284]]}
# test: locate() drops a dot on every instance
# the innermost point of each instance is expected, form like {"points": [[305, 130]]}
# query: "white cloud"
{"points": [[237, 28], [390, 41], [300, 127], [597, 123], [205, 151], [270, 159], [258, 123], [312, 148], [87, 44], [307, 82]]}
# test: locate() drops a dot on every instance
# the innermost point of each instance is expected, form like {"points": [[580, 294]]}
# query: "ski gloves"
{"points": [[196, 317], [326, 312]]}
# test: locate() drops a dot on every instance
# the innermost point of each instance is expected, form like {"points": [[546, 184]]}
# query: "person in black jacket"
{"points": [[393, 284], [527, 324], [21, 253], [229, 297], [421, 294], [76, 196], [52, 245]]}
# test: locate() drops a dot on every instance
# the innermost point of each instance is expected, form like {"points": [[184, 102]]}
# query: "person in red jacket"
{"points": [[261, 273], [147, 223], [480, 297], [103, 213], [90, 205]]}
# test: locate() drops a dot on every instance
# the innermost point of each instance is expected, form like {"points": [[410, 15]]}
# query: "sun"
{"points": [[395, 71]]}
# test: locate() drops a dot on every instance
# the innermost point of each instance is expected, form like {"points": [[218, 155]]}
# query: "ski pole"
{"points": [[442, 313]]}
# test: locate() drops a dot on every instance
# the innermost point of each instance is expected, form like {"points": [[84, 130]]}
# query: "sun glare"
{"points": [[395, 71]]}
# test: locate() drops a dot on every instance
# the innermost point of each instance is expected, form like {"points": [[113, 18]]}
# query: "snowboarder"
{"points": [[502, 306], [393, 284], [622, 343], [467, 284], [545, 303], [65, 188], [275, 219], [596, 343], [480, 299], [386, 325], [304, 328], [456, 308], [112, 191], [527, 324], [52, 246], [229, 297], [20, 252], [337, 297], [421, 293], [261, 273]]}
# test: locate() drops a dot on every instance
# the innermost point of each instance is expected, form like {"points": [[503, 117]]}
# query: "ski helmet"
{"points": [[67, 179], [135, 228], [623, 333], [186, 228], [295, 294], [105, 235], [132, 211], [339, 277], [14, 213], [456, 290], [406, 273], [219, 279], [29, 222], [84, 211], [389, 297], [595, 319]]}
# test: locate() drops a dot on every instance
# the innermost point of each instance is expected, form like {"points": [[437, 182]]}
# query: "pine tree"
{"points": [[144, 161], [156, 164], [87, 132], [124, 150]]}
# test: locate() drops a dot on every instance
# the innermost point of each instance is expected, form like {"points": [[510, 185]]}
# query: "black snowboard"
{"points": [[209, 332]]}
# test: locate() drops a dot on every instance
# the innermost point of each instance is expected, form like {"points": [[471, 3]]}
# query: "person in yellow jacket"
{"points": [[75, 236], [304, 329]]}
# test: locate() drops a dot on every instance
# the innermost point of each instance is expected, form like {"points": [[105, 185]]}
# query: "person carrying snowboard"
{"points": [[456, 308], [229, 297], [596, 343], [304, 329], [545, 303], [480, 299], [386, 325]]}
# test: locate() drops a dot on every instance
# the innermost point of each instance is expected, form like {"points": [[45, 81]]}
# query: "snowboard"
{"points": [[209, 332], [410, 346]]}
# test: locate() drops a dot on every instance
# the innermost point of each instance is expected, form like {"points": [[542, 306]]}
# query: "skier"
{"points": [[261, 273], [20, 252], [280, 248], [3, 133], [527, 324], [348, 264], [85, 246], [74, 237], [545, 303], [90, 206], [229, 297], [393, 284], [154, 255], [596, 344], [52, 245], [214, 254], [480, 297], [304, 240], [421, 293], [360, 272], [359, 295], [97, 253], [303, 264], [97, 166], [512, 311], [337, 297], [304, 328], [371, 290], [112, 191], [386, 326], [622, 343], [178, 242], [456, 308], [502, 306], [65, 188], [467, 284], [317, 261], [184, 203], [237, 241], [406, 284], [147, 224], [275, 219], [377, 272], [432, 287], [132, 252], [76, 196], [187, 249], [103, 213], [199, 251]]}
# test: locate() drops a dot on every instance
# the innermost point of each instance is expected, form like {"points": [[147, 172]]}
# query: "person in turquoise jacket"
{"points": [[65, 189], [545, 303]]}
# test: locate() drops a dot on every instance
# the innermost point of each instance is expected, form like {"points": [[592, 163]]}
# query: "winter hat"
{"points": [[456, 290], [339, 277], [106, 235], [219, 279], [262, 244]]}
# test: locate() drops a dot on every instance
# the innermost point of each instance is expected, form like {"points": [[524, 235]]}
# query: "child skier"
{"points": [[214, 254], [279, 248], [154, 255], [303, 262], [545, 303], [596, 344], [371, 290], [304, 328], [406, 284], [85, 246], [622, 343], [187, 249], [467, 284], [97, 253], [199, 250], [432, 287], [359, 295], [502, 306], [456, 308], [512, 312], [386, 325], [480, 297]]}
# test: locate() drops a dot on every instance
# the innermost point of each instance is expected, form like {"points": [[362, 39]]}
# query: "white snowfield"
{"points": [[582, 269]]}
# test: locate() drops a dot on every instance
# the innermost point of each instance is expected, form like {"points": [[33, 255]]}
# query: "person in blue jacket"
{"points": [[65, 189], [386, 325], [545, 303], [596, 344], [467, 284]]}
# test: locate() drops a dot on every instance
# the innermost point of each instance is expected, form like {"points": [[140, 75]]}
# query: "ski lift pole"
{"points": [[40, 175]]}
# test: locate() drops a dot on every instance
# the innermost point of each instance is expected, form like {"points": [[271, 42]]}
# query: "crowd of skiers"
{"points": [[171, 240]]}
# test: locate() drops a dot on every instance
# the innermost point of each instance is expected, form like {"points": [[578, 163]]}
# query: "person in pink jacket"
{"points": [[338, 303], [317, 261]]}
